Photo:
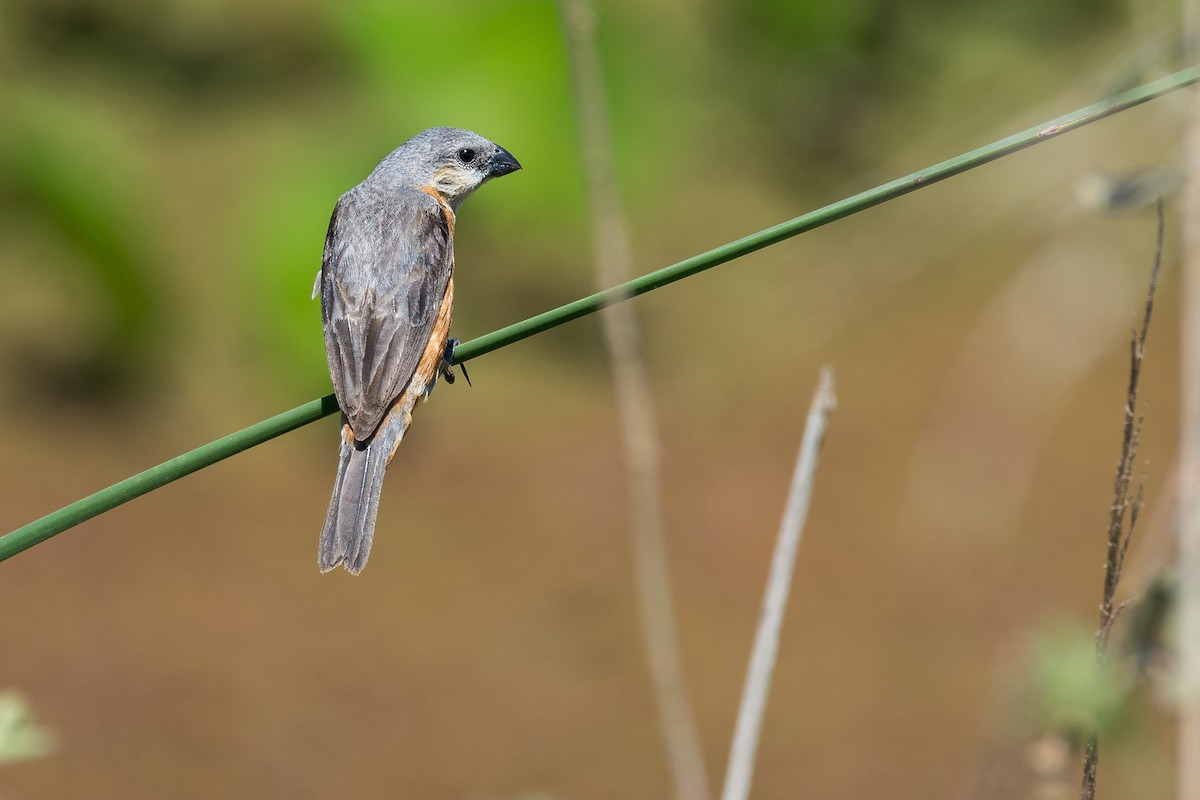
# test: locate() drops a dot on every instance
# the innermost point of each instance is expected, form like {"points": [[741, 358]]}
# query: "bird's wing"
{"points": [[386, 267]]}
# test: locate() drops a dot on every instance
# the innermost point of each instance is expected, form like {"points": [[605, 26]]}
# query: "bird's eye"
{"points": [[466, 155]]}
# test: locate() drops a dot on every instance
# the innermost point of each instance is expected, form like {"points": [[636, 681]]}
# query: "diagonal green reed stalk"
{"points": [[93, 505]]}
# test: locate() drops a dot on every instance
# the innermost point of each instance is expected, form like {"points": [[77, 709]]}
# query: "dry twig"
{"points": [[783, 564], [1123, 515], [635, 407]]}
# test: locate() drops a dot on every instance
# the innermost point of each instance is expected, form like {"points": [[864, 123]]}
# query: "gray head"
{"points": [[451, 161]]}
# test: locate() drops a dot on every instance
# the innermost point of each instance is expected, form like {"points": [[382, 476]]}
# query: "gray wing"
{"points": [[386, 267]]}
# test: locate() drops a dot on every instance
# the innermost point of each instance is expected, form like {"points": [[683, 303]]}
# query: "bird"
{"points": [[386, 286]]}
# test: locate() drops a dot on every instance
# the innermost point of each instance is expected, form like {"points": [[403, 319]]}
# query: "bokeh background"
{"points": [[167, 170]]}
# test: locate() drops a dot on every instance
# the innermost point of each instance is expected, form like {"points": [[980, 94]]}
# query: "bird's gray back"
{"points": [[388, 260]]}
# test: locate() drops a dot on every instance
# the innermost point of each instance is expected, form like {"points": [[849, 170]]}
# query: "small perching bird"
{"points": [[387, 290]]}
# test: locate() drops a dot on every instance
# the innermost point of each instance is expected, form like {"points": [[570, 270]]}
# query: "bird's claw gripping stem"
{"points": [[447, 367]]}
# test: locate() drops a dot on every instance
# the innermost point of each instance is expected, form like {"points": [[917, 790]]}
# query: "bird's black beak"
{"points": [[501, 163]]}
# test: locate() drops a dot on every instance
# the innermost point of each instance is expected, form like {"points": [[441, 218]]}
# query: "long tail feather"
{"points": [[350, 521]]}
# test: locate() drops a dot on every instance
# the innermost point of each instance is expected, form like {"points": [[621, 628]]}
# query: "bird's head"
{"points": [[451, 161]]}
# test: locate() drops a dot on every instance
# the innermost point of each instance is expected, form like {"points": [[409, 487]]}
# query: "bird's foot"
{"points": [[447, 367]]}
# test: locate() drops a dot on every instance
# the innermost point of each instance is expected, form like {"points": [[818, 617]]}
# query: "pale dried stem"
{"points": [[783, 564], [635, 408], [1188, 632]]}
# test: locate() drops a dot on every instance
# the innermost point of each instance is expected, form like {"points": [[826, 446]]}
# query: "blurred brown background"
{"points": [[167, 171]]}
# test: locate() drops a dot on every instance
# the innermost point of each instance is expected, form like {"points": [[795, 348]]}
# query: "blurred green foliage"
{"points": [[20, 738], [72, 184], [1071, 693], [299, 101]]}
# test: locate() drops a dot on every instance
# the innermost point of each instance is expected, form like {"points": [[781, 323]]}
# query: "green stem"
{"points": [[155, 477], [96, 504], [825, 215]]}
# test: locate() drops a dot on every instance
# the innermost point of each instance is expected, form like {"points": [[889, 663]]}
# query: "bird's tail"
{"points": [[350, 521]]}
